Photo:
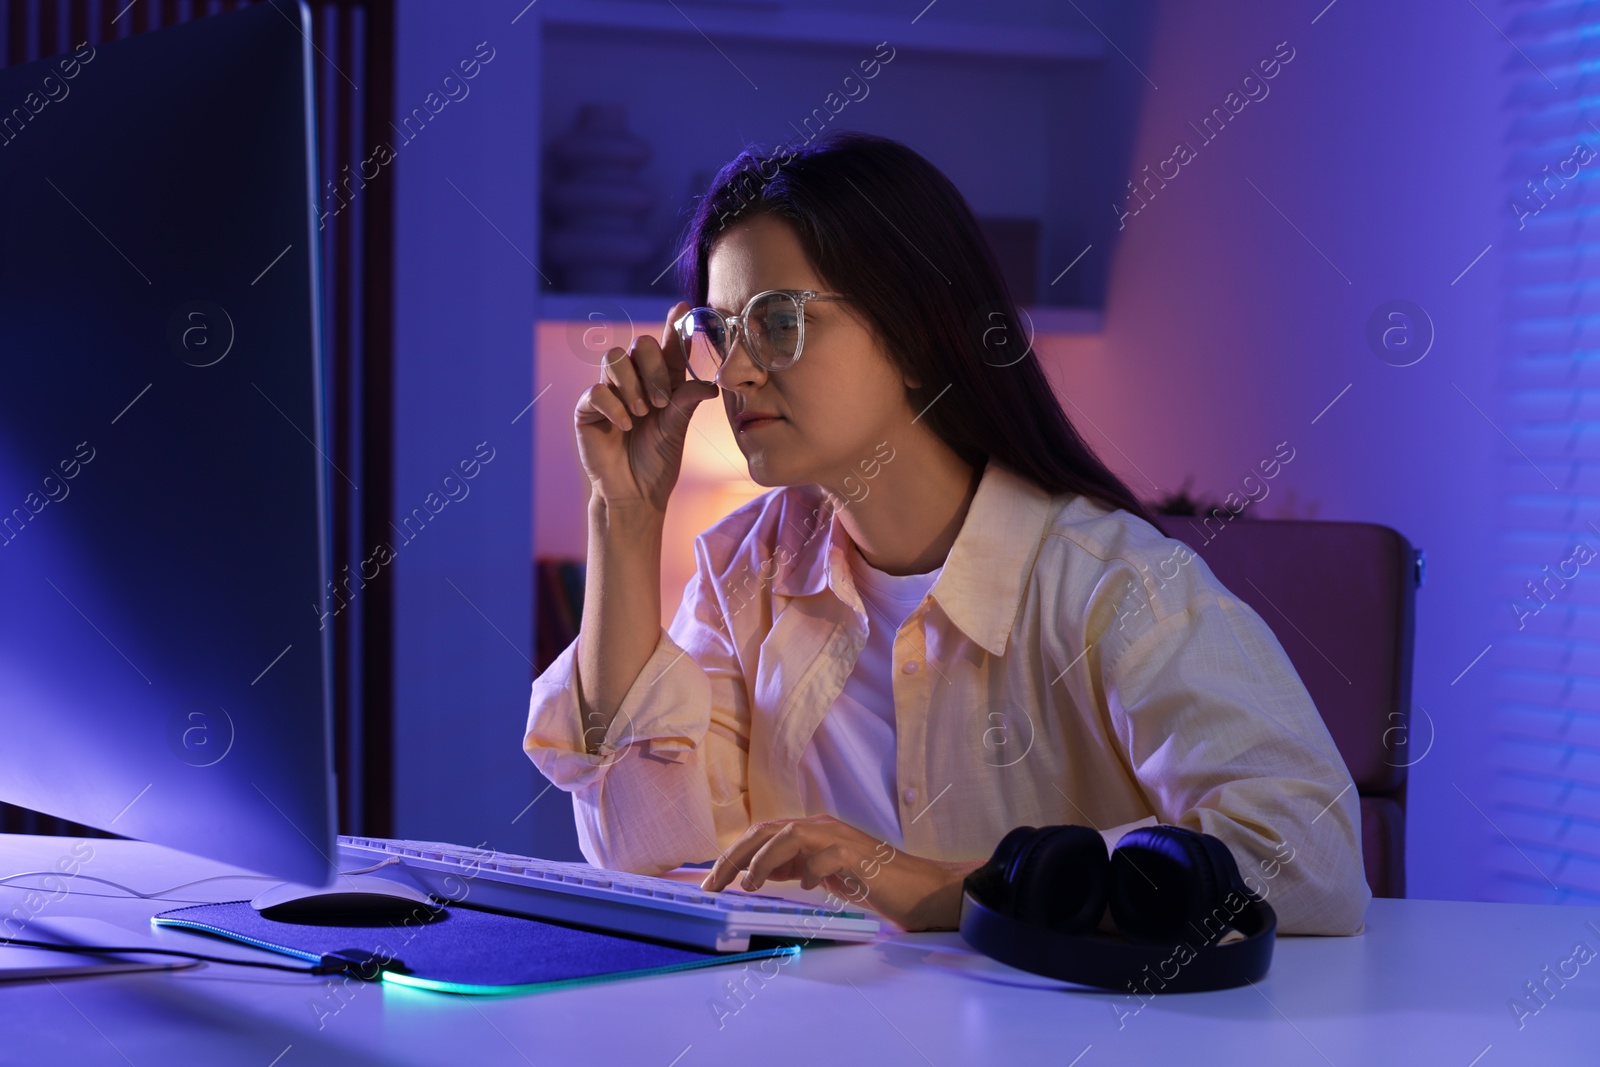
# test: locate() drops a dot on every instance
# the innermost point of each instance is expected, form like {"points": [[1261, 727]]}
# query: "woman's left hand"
{"points": [[913, 892]]}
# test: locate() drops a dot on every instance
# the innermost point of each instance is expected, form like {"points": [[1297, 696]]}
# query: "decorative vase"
{"points": [[596, 202]]}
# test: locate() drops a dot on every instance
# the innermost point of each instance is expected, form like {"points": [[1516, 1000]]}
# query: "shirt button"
{"points": [[910, 796], [910, 667]]}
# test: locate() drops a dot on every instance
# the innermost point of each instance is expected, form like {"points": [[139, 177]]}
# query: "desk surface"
{"points": [[1430, 982]]}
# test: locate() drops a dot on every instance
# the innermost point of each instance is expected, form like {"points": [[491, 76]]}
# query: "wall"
{"points": [[465, 286]]}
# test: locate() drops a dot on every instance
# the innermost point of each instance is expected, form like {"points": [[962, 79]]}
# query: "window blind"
{"points": [[1545, 676]]}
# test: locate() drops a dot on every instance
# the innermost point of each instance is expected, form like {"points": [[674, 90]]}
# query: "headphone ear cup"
{"points": [[989, 883], [1057, 877], [1165, 881], [1005, 853]]}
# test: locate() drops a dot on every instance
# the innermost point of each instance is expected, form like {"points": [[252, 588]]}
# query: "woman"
{"points": [[947, 619]]}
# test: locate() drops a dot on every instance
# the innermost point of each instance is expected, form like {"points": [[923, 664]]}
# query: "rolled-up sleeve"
{"points": [[1224, 739], [666, 785]]}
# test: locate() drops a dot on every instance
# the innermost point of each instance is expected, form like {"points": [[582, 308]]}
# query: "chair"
{"points": [[1340, 597]]}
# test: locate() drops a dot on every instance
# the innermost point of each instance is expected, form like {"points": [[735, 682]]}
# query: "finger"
{"points": [[830, 829], [679, 412], [600, 403], [676, 359], [651, 365], [782, 847], [624, 376], [788, 871], [733, 860]]}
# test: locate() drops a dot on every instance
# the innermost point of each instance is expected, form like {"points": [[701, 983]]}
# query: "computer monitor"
{"points": [[164, 657]]}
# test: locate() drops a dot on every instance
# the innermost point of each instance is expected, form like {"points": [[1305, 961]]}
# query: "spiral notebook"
{"points": [[464, 951]]}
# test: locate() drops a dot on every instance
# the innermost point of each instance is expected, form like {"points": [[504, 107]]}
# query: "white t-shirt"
{"points": [[848, 769]]}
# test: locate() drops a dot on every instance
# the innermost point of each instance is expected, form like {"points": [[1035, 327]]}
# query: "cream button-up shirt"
{"points": [[1070, 665]]}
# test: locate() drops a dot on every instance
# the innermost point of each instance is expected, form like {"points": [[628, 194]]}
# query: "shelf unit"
{"points": [[999, 108], [772, 21], [647, 312]]}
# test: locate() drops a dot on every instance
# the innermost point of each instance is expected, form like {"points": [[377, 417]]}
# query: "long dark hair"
{"points": [[885, 227]]}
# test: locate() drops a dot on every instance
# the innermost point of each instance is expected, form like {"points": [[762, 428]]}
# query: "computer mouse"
{"points": [[350, 901]]}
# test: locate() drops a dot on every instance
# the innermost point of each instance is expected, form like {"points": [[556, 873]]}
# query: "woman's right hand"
{"points": [[631, 425]]}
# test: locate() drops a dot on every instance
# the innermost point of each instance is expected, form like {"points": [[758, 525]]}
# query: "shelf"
{"points": [[775, 22], [647, 313]]}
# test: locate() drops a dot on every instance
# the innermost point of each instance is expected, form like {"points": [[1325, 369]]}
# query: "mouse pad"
{"points": [[464, 951]]}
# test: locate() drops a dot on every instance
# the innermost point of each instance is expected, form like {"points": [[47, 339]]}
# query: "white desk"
{"points": [[1429, 983]]}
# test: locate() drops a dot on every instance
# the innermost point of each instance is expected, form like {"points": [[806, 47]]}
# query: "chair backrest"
{"points": [[1340, 596]]}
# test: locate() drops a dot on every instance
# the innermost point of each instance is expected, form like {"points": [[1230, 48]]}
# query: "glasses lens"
{"points": [[775, 326], [705, 339]]}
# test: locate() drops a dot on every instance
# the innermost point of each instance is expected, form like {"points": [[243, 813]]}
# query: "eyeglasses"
{"points": [[773, 324]]}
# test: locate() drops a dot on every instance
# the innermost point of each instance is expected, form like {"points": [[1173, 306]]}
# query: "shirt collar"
{"points": [[984, 575]]}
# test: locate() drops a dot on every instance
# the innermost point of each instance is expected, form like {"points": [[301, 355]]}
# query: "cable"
{"points": [[161, 893], [390, 862], [333, 963], [157, 895], [345, 961]]}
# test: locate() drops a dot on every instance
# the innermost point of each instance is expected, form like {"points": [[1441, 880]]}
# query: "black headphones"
{"points": [[1037, 903]]}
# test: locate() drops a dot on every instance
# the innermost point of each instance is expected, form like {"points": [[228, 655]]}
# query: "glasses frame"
{"points": [[733, 327]]}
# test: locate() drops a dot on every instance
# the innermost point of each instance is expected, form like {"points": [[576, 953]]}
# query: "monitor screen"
{"points": [[164, 663]]}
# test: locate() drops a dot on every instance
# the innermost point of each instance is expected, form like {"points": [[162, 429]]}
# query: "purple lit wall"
{"points": [[466, 185], [1238, 309]]}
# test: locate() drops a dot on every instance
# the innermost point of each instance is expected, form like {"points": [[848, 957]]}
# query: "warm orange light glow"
{"points": [[714, 481]]}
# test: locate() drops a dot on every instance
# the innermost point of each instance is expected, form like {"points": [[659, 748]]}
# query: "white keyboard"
{"points": [[656, 908]]}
